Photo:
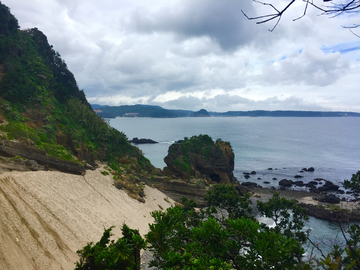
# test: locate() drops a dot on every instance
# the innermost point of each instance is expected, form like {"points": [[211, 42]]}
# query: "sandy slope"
{"points": [[45, 217]]}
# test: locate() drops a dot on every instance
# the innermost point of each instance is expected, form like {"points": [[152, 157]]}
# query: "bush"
{"points": [[110, 255]]}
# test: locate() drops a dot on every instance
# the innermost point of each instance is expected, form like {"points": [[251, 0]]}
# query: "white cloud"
{"points": [[202, 53]]}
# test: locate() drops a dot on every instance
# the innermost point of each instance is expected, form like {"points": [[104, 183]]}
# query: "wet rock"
{"points": [[328, 198], [299, 183], [330, 186], [286, 183], [298, 176], [313, 183], [314, 190], [249, 184], [266, 182], [270, 169], [274, 178], [259, 178], [253, 173], [142, 141]]}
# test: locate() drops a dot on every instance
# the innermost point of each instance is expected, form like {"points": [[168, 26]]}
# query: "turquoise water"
{"points": [[330, 145]]}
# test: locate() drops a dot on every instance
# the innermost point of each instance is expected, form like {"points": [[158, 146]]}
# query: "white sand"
{"points": [[45, 217]]}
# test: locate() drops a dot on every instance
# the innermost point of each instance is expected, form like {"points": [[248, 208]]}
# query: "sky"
{"points": [[202, 54]]}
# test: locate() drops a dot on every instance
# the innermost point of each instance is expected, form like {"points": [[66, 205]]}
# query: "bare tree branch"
{"points": [[333, 9]]}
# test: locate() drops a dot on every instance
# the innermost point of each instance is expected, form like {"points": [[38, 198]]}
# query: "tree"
{"points": [[333, 9], [111, 255], [354, 183], [289, 218], [184, 238]]}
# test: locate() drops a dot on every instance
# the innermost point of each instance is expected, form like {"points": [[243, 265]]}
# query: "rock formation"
{"points": [[199, 156]]}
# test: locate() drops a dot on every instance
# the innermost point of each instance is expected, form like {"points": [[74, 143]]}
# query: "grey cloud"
{"points": [[221, 21]]}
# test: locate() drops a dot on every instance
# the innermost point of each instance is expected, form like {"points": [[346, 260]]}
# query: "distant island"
{"points": [[159, 112]]}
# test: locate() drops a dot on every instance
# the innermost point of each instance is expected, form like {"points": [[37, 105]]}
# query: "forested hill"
{"points": [[138, 111], [159, 112], [42, 106], [262, 113]]}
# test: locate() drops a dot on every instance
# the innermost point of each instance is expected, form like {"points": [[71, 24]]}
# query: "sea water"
{"points": [[331, 145], [286, 145]]}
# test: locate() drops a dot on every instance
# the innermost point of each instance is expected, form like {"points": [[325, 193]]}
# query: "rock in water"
{"points": [[201, 155]]}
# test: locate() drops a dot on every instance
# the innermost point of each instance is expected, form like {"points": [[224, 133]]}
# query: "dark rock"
{"points": [[323, 188], [298, 176], [259, 178], [319, 179], [314, 190], [34, 166], [249, 184], [331, 186], [301, 171], [313, 183], [13, 149], [270, 169], [266, 182], [328, 198], [142, 141], [311, 169], [246, 176], [274, 178], [141, 199], [253, 173], [118, 185], [299, 183], [286, 183], [340, 191], [337, 215], [200, 153]]}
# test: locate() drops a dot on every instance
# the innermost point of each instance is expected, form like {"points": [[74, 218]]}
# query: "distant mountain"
{"points": [[201, 113], [139, 111], [262, 113]]}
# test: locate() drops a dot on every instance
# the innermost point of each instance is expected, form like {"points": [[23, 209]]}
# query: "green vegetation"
{"points": [[354, 183], [201, 145], [111, 255], [226, 236], [43, 105]]}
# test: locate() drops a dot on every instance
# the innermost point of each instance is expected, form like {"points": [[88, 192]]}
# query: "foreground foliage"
{"points": [[223, 237], [110, 255]]}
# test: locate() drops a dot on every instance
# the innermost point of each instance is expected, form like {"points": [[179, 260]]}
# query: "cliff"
{"points": [[42, 107], [200, 156]]}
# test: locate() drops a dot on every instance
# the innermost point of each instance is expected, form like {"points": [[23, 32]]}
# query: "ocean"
{"points": [[287, 144], [331, 145]]}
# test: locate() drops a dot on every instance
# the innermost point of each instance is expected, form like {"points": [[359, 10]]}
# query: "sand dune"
{"points": [[45, 217]]}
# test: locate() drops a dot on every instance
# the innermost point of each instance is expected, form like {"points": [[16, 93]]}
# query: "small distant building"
{"points": [[98, 111], [130, 114]]}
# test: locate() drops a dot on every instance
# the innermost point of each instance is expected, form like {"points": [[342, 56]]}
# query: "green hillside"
{"points": [[41, 104], [140, 111]]}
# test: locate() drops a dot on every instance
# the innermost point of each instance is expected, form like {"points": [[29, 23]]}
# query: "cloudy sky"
{"points": [[190, 54]]}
